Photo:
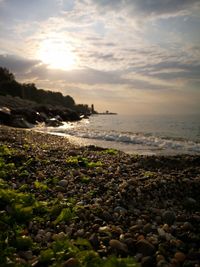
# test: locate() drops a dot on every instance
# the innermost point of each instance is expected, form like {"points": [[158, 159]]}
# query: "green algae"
{"points": [[80, 161]]}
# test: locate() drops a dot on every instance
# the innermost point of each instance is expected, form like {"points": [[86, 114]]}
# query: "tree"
{"points": [[6, 75]]}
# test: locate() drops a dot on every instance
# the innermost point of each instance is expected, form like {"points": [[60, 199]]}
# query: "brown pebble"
{"points": [[179, 256], [116, 244], [160, 257], [140, 237]]}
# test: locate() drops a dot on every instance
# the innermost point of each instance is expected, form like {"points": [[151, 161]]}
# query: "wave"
{"points": [[147, 140]]}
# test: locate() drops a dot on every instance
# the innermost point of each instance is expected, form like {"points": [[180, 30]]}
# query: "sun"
{"points": [[57, 55]]}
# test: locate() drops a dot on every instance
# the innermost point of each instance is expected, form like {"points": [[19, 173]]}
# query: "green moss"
{"points": [[149, 174], [40, 186], [85, 179], [110, 151], [65, 215], [46, 256], [82, 162], [5, 151]]}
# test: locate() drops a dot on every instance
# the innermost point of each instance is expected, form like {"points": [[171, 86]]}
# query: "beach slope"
{"points": [[65, 205]]}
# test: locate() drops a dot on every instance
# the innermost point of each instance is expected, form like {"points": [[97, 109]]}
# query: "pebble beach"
{"points": [[66, 205]]}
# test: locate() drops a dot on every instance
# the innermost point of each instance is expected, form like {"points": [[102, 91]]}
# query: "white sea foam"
{"points": [[143, 139]]}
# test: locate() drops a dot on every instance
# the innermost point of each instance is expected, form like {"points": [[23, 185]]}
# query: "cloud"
{"points": [[28, 10], [153, 7], [17, 64]]}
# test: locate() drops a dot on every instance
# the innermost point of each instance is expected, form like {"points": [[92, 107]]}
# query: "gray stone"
{"points": [[63, 183]]}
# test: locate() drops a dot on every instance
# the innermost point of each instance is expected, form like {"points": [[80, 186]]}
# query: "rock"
{"points": [[94, 241], [130, 242], [27, 255], [135, 228], [180, 256], [189, 263], [20, 122], [168, 217], [53, 122], [80, 232], [147, 261], [5, 115], [30, 115], [72, 262], [144, 247], [147, 228], [189, 203], [118, 246], [161, 232], [63, 183], [159, 257], [187, 226], [162, 263], [119, 209]]}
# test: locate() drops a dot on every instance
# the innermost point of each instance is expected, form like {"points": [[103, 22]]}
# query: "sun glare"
{"points": [[56, 55]]}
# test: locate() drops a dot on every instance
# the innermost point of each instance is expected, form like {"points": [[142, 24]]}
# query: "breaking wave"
{"points": [[143, 139]]}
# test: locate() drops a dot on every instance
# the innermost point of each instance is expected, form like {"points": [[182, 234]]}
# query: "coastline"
{"points": [[145, 207]]}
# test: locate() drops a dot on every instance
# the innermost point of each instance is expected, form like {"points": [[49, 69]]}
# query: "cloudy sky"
{"points": [[127, 56]]}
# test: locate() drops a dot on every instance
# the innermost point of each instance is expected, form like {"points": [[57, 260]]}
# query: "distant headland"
{"points": [[107, 113], [23, 105]]}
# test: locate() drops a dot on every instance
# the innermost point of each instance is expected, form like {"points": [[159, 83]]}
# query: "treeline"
{"points": [[28, 91]]}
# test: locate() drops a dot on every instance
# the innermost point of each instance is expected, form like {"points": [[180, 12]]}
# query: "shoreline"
{"points": [[144, 207]]}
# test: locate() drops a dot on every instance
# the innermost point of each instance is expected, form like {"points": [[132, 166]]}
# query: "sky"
{"points": [[125, 56]]}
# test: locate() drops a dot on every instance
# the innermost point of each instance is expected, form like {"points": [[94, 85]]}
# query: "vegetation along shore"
{"points": [[64, 205]]}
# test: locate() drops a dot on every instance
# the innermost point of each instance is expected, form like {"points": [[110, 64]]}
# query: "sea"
{"points": [[143, 135]]}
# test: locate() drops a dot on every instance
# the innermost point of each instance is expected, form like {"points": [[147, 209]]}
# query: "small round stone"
{"points": [[180, 256]]}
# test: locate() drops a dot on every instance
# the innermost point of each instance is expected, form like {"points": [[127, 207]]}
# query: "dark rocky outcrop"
{"points": [[28, 117]]}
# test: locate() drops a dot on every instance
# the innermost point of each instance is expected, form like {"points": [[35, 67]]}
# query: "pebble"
{"points": [[120, 210], [187, 226], [147, 261], [190, 203], [162, 263], [63, 183], [144, 247], [72, 262], [147, 228], [169, 217], [117, 245], [94, 241], [135, 228], [180, 256]]}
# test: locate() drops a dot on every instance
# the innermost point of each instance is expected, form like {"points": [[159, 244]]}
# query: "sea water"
{"points": [[160, 135]]}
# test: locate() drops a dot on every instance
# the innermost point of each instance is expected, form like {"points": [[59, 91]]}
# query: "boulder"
{"points": [[5, 115], [53, 122], [20, 122]]}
